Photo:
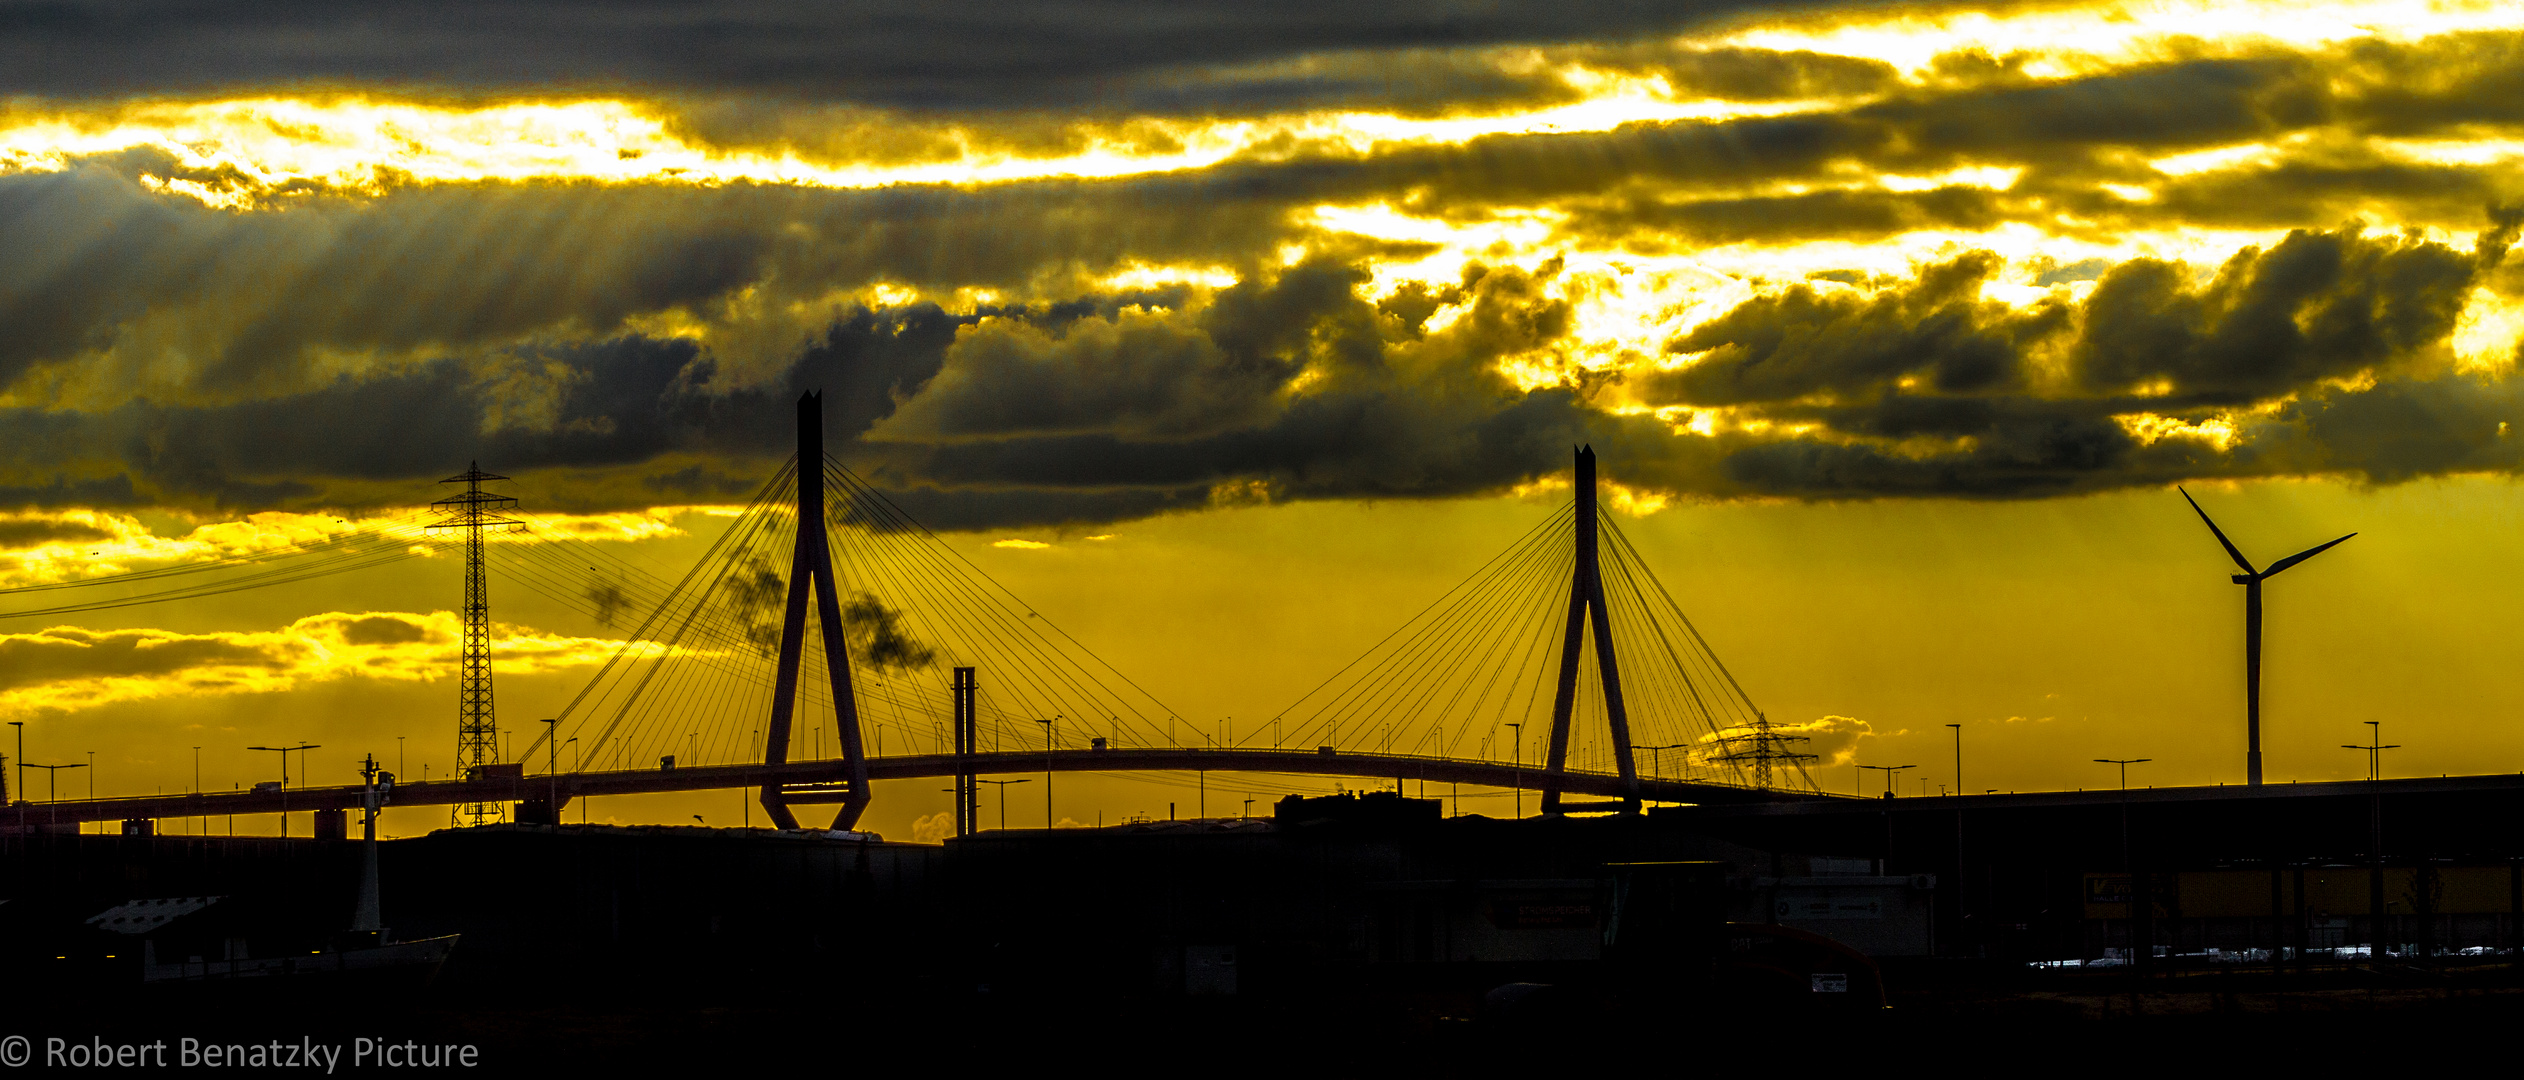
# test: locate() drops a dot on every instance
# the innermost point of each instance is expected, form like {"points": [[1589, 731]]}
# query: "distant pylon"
{"points": [[1586, 605], [812, 562], [477, 731], [1764, 748]]}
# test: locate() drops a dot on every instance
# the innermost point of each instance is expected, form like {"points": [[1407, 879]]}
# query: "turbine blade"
{"points": [[2301, 556], [2221, 535]]}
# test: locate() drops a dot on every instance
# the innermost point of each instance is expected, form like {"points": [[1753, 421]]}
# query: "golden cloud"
{"points": [[67, 668]]}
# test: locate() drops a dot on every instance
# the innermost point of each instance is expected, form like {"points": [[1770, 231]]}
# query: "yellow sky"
{"points": [[2056, 632], [1896, 327]]}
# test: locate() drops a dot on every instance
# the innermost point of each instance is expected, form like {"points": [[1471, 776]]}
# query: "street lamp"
{"points": [[52, 786], [1656, 757], [284, 752], [1003, 798], [1047, 769], [2125, 764], [2375, 832], [1518, 751], [1890, 771], [2374, 751], [552, 769], [1962, 912]]}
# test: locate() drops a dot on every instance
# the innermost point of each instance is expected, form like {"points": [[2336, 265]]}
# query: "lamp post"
{"points": [[1962, 913], [2125, 764], [1889, 771], [2374, 835], [284, 752], [1517, 751], [2142, 891], [552, 769], [1656, 757], [1047, 769], [1003, 798], [52, 786]]}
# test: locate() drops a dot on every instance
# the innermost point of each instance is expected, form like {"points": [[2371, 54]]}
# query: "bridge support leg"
{"points": [[968, 799], [811, 569], [1586, 605]]}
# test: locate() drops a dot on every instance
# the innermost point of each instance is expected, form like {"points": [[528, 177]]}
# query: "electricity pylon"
{"points": [[477, 731]]}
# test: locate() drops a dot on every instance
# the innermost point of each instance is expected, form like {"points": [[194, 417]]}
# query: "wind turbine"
{"points": [[2251, 580]]}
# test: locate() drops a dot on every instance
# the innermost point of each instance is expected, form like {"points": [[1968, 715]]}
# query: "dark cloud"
{"points": [[265, 304], [1924, 389], [898, 52], [37, 532], [1292, 385], [2417, 88], [64, 654], [383, 630], [1740, 74], [2204, 102], [2313, 306], [2399, 430], [336, 348], [200, 303], [1804, 341], [1672, 185], [1844, 214], [1388, 411], [1141, 372]]}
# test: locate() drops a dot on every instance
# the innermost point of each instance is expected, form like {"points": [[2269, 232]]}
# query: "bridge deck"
{"points": [[568, 786]]}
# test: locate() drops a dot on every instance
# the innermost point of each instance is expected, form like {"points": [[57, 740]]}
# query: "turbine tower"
{"points": [[2251, 580]]}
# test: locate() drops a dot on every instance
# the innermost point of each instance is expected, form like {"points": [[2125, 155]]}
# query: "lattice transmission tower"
{"points": [[477, 730], [1765, 749]]}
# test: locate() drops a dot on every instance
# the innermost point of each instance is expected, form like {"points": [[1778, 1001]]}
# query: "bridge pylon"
{"points": [[968, 788], [811, 562], [1586, 607]]}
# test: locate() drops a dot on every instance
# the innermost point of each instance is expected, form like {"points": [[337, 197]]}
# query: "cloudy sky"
{"points": [[1895, 327]]}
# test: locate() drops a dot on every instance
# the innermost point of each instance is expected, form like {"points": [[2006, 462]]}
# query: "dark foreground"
{"points": [[1336, 933], [707, 1029]]}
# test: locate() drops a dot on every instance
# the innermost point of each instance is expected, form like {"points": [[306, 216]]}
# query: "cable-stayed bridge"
{"points": [[827, 641]]}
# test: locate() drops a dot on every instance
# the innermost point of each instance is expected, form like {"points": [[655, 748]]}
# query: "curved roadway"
{"points": [[800, 777]]}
